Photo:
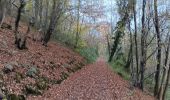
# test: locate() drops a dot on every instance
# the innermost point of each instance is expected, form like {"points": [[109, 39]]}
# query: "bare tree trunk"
{"points": [[2, 11], [20, 40], [57, 11], [78, 24], [164, 77], [40, 13], [53, 21], [143, 47], [108, 43], [136, 43], [131, 57], [166, 84], [45, 20], [157, 75], [129, 61]]}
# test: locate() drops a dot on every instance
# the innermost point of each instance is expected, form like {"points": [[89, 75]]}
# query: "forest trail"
{"points": [[50, 65], [95, 82]]}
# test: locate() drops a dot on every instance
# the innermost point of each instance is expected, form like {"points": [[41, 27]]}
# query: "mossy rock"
{"points": [[41, 84], [64, 76], [18, 77], [70, 70], [76, 68], [46, 79], [30, 89], [32, 72], [56, 81], [25, 65], [1, 79], [15, 97], [8, 68]]}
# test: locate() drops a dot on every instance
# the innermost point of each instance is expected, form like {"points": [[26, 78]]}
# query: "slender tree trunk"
{"points": [[41, 13], [46, 17], [18, 16], [108, 43], [2, 12], [166, 84], [136, 43], [51, 25], [53, 22], [130, 54], [128, 62], [164, 77], [49, 33], [20, 41], [78, 24], [36, 13], [131, 57], [157, 75], [143, 47]]}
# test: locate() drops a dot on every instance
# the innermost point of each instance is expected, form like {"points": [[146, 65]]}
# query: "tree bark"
{"points": [[143, 47], [166, 84], [2, 11], [136, 42], [108, 43], [20, 40], [78, 24], [157, 75], [55, 15], [164, 77]]}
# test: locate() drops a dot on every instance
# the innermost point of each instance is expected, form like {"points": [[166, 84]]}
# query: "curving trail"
{"points": [[95, 82]]}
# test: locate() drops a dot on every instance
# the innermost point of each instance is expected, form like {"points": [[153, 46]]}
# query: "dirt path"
{"points": [[95, 82]]}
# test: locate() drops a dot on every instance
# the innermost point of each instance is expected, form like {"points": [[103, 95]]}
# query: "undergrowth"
{"points": [[88, 52], [118, 66]]}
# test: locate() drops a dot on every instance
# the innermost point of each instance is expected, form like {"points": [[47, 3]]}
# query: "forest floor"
{"points": [[95, 81], [57, 73]]}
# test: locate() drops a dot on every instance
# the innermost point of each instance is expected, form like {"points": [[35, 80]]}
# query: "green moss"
{"points": [[64, 76], [41, 84], [15, 97], [168, 94], [18, 77], [31, 89]]}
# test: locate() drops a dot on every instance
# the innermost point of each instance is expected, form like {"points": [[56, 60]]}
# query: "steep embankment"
{"points": [[35, 70]]}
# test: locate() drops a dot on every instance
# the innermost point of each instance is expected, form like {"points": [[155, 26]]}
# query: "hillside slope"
{"points": [[22, 71]]}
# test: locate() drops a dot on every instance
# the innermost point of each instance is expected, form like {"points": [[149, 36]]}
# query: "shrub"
{"points": [[89, 53], [118, 66]]}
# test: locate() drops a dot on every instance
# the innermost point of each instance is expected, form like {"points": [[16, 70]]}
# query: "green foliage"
{"points": [[118, 66], [168, 93], [90, 53], [67, 39], [118, 36], [149, 84]]}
